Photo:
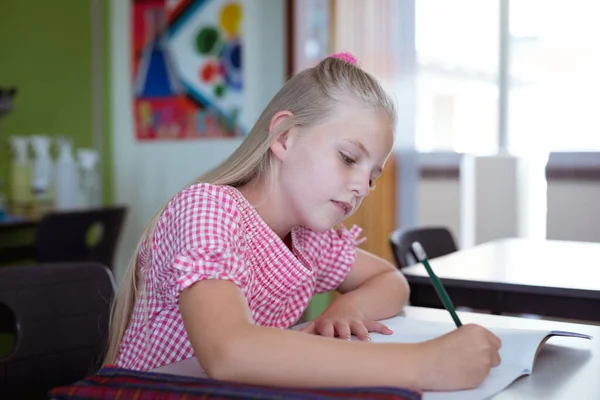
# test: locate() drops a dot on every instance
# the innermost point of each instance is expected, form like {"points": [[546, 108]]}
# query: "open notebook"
{"points": [[519, 350]]}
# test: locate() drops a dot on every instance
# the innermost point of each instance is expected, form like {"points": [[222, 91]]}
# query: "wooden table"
{"points": [[544, 277]]}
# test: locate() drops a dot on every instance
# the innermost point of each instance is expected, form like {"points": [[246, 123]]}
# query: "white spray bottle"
{"points": [[67, 178], [43, 170], [20, 177], [90, 179]]}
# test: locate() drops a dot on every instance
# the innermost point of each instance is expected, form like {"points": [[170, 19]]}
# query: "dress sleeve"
{"points": [[338, 253], [206, 241]]}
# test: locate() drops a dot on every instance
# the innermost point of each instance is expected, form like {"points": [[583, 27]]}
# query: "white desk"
{"points": [[566, 368], [545, 277]]}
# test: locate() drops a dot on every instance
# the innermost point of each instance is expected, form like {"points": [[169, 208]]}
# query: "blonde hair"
{"points": [[311, 97]]}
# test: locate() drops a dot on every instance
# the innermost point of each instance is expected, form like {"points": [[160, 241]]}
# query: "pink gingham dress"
{"points": [[213, 232]]}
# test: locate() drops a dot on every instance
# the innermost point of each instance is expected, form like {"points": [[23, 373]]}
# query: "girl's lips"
{"points": [[344, 207]]}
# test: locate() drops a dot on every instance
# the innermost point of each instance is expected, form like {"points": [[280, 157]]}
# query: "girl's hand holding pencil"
{"points": [[461, 359], [471, 349]]}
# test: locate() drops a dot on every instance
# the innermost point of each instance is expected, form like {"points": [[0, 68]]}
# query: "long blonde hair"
{"points": [[311, 97]]}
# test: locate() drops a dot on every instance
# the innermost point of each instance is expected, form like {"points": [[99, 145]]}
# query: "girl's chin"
{"points": [[322, 227]]}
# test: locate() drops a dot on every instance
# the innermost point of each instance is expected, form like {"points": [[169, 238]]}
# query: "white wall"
{"points": [[147, 174], [439, 204], [573, 210]]}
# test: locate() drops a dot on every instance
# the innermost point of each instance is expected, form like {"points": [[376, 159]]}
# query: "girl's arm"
{"points": [[373, 290], [230, 347], [375, 287]]}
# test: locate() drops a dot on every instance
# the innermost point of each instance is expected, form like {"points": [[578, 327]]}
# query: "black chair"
{"points": [[437, 242], [83, 235], [59, 315]]}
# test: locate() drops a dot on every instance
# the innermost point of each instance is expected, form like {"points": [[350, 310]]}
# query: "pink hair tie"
{"points": [[345, 56]]}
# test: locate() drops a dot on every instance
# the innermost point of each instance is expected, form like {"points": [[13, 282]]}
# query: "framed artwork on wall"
{"points": [[187, 69]]}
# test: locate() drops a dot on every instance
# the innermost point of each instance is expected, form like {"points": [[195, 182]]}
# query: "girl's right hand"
{"points": [[461, 359]]}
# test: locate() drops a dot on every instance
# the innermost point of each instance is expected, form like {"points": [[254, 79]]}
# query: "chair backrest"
{"points": [[437, 242], [83, 235], [61, 314]]}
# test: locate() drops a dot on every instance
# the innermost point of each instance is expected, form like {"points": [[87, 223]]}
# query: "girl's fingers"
{"points": [[360, 330], [325, 329], [310, 328], [496, 360], [346, 328], [343, 330], [375, 326]]}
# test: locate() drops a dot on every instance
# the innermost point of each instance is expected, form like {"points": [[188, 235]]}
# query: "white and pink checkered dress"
{"points": [[213, 232]]}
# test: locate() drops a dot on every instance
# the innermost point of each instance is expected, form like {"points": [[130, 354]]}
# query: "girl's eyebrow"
{"points": [[362, 147], [359, 145]]}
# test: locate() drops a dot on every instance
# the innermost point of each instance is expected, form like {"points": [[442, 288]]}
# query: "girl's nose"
{"points": [[360, 185]]}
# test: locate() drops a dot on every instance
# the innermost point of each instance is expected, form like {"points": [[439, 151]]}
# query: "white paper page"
{"points": [[514, 363], [497, 380], [519, 347]]}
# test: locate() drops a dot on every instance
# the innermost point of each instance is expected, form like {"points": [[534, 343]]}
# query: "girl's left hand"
{"points": [[343, 319]]}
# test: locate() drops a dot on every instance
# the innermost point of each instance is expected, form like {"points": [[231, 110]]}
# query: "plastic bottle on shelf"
{"points": [[67, 178], [88, 160], [43, 170], [20, 197]]}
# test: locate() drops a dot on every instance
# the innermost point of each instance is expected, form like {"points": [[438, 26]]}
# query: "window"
{"points": [[554, 69], [553, 80], [457, 72]]}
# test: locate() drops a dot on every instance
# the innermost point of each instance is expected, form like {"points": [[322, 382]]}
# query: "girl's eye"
{"points": [[348, 160]]}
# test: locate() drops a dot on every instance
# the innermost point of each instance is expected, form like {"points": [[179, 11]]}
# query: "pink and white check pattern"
{"points": [[213, 232]]}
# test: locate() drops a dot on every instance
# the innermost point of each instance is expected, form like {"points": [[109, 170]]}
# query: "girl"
{"points": [[239, 253]]}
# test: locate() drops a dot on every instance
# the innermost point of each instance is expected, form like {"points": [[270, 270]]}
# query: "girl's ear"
{"points": [[280, 145]]}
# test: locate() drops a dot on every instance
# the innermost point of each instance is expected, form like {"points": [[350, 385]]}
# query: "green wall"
{"points": [[45, 50]]}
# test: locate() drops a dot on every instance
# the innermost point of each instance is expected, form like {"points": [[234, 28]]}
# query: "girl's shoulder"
{"points": [[203, 202], [206, 196]]}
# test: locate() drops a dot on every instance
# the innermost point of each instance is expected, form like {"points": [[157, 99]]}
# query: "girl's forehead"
{"points": [[364, 123], [368, 131], [353, 112]]}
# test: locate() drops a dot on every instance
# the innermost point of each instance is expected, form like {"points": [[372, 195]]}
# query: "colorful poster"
{"points": [[187, 69]]}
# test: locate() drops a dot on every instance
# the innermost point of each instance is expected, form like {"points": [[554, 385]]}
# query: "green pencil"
{"points": [[437, 284]]}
